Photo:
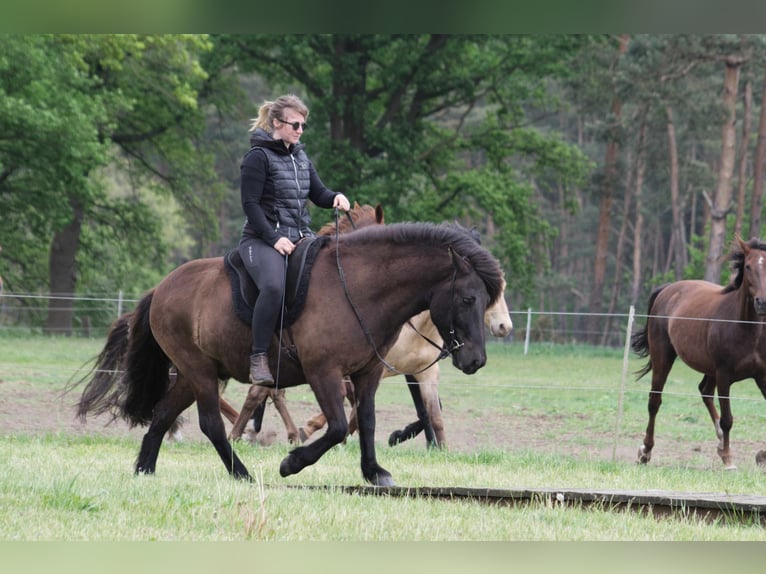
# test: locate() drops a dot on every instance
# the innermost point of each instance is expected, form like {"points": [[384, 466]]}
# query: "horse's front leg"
{"points": [[429, 391], [211, 421], [727, 420], [365, 415], [707, 392], [760, 456], [330, 398]]}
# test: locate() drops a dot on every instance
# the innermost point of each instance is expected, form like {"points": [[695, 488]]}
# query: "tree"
{"points": [[432, 126], [607, 185], [74, 105]]}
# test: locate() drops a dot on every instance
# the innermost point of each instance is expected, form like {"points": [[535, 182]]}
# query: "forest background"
{"points": [[594, 166]]}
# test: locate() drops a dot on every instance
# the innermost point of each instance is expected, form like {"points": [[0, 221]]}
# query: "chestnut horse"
{"points": [[361, 291], [717, 331]]}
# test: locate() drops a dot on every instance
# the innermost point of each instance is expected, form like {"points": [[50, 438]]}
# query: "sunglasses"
{"points": [[294, 125]]}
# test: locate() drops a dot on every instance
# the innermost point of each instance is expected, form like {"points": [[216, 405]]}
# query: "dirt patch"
{"points": [[25, 410]]}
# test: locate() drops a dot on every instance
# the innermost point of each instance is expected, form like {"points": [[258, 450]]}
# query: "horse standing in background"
{"points": [[717, 331]]}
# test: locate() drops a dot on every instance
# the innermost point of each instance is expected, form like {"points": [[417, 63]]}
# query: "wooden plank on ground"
{"points": [[709, 506]]}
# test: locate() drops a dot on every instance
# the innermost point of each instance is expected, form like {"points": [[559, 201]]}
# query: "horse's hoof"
{"points": [[394, 438], [285, 468], [730, 466], [383, 480], [644, 456], [760, 458], [303, 436]]}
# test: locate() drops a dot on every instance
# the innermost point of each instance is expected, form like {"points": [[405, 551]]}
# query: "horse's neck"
{"points": [[401, 290], [746, 308]]}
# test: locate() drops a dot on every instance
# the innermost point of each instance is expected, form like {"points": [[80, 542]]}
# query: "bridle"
{"points": [[444, 350]]}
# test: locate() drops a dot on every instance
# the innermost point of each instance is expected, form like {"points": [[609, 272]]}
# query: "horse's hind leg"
{"points": [[662, 361], [760, 456], [227, 410], [256, 394], [707, 393], [166, 412], [278, 398]]}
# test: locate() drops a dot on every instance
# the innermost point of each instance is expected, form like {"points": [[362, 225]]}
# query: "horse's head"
{"points": [[750, 272], [457, 309], [357, 217]]}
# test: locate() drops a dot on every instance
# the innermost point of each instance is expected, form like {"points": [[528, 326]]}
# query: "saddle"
{"points": [[299, 264]]}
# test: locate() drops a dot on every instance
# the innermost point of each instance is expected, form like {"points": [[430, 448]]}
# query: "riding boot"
{"points": [[260, 374]]}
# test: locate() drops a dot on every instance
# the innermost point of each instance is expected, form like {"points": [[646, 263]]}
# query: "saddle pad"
{"points": [[243, 289]]}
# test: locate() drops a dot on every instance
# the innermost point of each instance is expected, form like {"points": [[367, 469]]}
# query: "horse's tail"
{"points": [[103, 393], [639, 341], [146, 378]]}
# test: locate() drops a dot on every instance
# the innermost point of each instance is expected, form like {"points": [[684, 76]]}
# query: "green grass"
{"points": [[59, 488], [62, 486]]}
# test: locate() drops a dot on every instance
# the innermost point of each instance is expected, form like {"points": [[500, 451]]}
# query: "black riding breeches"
{"points": [[267, 267]]}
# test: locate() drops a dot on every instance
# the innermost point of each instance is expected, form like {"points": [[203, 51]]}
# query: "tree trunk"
{"points": [[720, 203], [760, 159], [608, 183], [617, 281], [679, 248], [742, 160], [63, 274], [639, 225]]}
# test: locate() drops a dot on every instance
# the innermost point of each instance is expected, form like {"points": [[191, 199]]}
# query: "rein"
{"points": [[444, 350]]}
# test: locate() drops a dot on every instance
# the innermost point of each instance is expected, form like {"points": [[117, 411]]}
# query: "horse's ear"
{"points": [[742, 245], [379, 213], [460, 263], [356, 205]]}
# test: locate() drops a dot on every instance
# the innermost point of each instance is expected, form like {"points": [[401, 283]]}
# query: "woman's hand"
{"points": [[341, 202], [284, 246]]}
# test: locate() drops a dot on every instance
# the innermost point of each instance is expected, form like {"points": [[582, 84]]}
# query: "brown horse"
{"points": [[361, 291], [718, 331], [414, 355]]}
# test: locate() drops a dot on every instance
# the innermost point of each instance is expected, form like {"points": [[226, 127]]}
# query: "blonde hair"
{"points": [[270, 111]]}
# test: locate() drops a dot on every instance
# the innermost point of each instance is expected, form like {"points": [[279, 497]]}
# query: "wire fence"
{"points": [[22, 314], [92, 315]]}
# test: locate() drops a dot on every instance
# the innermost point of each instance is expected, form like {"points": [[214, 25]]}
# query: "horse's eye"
{"points": [[469, 300]]}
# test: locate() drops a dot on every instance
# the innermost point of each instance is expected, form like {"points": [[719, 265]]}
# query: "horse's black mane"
{"points": [[737, 258], [460, 239]]}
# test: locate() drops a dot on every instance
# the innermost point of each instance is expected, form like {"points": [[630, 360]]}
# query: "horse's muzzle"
{"points": [[469, 365]]}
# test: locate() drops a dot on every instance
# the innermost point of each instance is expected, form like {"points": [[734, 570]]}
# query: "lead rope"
{"points": [[444, 351]]}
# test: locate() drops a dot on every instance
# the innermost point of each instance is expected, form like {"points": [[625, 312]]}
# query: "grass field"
{"points": [[546, 419]]}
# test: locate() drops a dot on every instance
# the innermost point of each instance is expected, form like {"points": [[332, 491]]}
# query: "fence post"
{"points": [[529, 328], [625, 356], [119, 303]]}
